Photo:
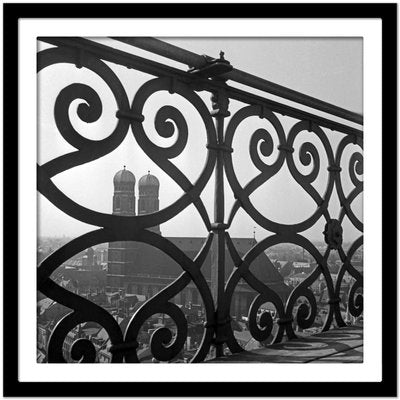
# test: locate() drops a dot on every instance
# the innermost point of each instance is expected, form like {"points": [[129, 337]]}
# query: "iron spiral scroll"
{"points": [[170, 121]]}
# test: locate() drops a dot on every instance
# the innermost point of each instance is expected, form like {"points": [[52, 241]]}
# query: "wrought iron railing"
{"points": [[208, 75]]}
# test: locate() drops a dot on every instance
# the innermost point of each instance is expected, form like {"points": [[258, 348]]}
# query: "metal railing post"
{"points": [[220, 111]]}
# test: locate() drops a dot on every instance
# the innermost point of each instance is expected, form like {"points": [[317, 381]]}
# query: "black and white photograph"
{"points": [[199, 200], [189, 211]]}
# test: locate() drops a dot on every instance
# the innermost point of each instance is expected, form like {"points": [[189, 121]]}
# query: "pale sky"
{"points": [[327, 68]]}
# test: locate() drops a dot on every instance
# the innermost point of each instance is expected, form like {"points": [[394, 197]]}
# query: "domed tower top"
{"points": [[148, 180], [148, 184], [148, 197], [124, 181], [124, 193]]}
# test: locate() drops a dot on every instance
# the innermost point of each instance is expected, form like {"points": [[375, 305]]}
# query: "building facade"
{"points": [[138, 268]]}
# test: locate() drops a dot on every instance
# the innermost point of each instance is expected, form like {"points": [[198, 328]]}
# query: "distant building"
{"points": [[300, 266], [295, 279], [81, 280], [138, 268], [285, 268]]}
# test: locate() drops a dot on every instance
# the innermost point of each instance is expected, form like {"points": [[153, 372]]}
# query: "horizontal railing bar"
{"points": [[154, 68], [289, 111], [113, 55], [194, 60]]}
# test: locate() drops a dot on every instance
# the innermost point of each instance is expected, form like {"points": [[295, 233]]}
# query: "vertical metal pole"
{"points": [[219, 112]]}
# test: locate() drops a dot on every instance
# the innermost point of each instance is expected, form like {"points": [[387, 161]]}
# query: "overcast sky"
{"points": [[326, 68]]}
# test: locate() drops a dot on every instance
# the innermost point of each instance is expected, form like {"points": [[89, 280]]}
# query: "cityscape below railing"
{"points": [[198, 298]]}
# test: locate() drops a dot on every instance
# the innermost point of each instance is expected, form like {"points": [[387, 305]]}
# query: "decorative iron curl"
{"points": [[261, 141], [308, 154], [88, 150], [266, 294], [305, 315], [263, 329], [165, 347], [85, 311], [355, 168], [83, 350], [89, 112], [262, 138], [166, 129], [160, 345], [355, 300], [163, 126]]}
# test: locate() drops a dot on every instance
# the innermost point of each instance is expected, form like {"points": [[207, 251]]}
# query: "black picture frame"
{"points": [[12, 386]]}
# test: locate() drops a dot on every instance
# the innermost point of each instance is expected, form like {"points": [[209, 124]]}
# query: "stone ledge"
{"points": [[341, 345]]}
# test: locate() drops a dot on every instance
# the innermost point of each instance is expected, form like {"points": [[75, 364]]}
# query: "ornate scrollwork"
{"points": [[261, 141], [163, 345], [170, 123], [308, 154], [355, 169], [355, 299], [85, 311], [89, 112], [88, 150], [262, 329], [356, 302], [84, 351], [165, 128], [306, 312]]}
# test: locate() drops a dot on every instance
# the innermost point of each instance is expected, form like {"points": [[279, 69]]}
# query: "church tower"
{"points": [[124, 193], [148, 202], [121, 255]]}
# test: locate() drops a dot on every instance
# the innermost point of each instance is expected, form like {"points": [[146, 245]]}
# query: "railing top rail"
{"points": [[129, 60], [195, 60]]}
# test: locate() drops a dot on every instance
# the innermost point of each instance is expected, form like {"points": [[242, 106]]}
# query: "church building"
{"points": [[138, 268]]}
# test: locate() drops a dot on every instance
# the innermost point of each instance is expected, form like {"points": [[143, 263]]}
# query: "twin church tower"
{"points": [[124, 200], [124, 257]]}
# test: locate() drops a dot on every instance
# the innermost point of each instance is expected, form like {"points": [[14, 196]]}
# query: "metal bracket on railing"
{"points": [[213, 67]]}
